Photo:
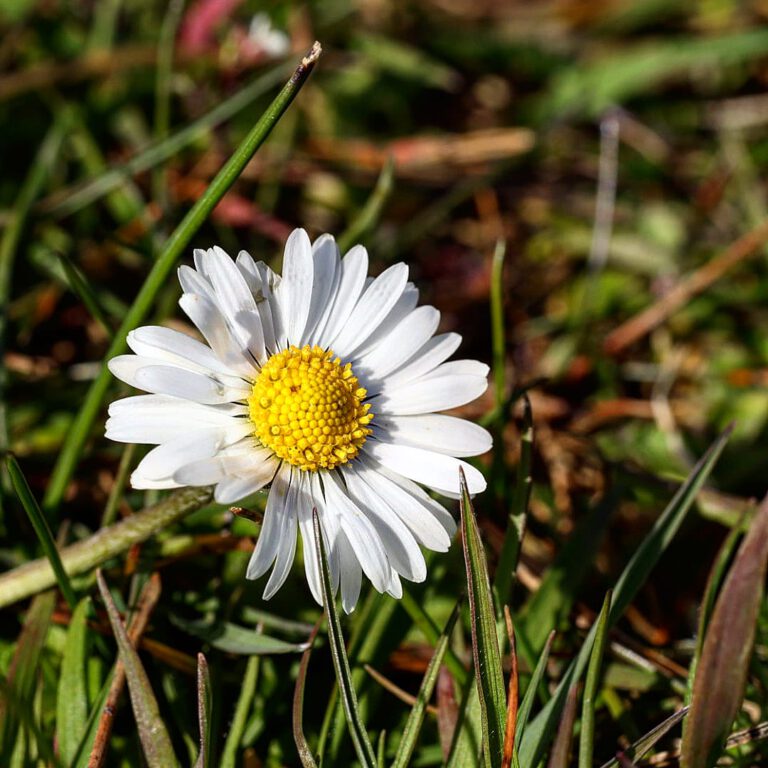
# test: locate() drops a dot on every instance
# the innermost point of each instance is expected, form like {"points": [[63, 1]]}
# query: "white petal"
{"points": [[427, 358], [269, 537], [459, 368], [158, 418], [360, 532], [325, 255], [437, 432], [434, 470], [428, 395], [163, 461], [269, 308], [286, 547], [351, 574], [175, 347], [212, 324], [236, 301], [192, 281], [152, 376], [394, 587], [428, 521], [295, 291], [353, 270], [408, 300], [245, 460], [403, 341], [374, 305], [234, 488], [402, 550], [306, 525]]}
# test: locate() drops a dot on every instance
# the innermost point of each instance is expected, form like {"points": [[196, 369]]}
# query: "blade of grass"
{"points": [[157, 278], [40, 524], [632, 578], [485, 643], [647, 742], [369, 214], [204, 705], [429, 629], [561, 748], [79, 284], [155, 741], [357, 730], [529, 698], [233, 638], [78, 558], [72, 695], [468, 734], [416, 718], [242, 709], [302, 747], [513, 538], [591, 687], [718, 689], [498, 342]]}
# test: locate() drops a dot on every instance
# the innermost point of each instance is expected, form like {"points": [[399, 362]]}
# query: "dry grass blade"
{"points": [[561, 749], [305, 753], [204, 705], [394, 689], [509, 756], [721, 675], [155, 741]]}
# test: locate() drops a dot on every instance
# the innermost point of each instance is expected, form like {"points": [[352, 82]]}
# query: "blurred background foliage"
{"points": [[618, 147]]}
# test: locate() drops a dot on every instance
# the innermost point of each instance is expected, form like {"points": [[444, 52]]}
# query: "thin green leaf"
{"points": [[485, 643], [357, 730], [468, 736], [80, 286], [646, 743], [40, 524], [155, 741], [233, 638], [561, 748], [161, 270], [513, 538], [529, 698], [204, 705], [632, 578], [587, 735], [718, 690], [416, 718], [369, 214], [240, 719], [498, 341], [305, 753], [72, 698]]}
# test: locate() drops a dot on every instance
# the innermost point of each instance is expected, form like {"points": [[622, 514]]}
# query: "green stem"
{"points": [[34, 577], [243, 707], [161, 271], [497, 323]]}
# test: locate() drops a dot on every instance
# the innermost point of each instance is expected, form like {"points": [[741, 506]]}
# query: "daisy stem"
{"points": [[157, 278], [35, 576]]}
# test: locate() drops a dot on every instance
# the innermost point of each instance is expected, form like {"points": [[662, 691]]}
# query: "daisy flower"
{"points": [[322, 384]]}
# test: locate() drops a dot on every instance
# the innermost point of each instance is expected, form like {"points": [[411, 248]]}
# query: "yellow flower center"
{"points": [[308, 408]]}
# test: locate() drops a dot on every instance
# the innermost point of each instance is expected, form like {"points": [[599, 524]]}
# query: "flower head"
{"points": [[323, 384]]}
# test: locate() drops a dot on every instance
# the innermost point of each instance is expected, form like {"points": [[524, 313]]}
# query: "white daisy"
{"points": [[323, 383]]}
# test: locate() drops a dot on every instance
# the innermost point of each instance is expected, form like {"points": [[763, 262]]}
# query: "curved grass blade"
{"points": [[561, 749], [647, 742], [485, 644], [509, 757], [416, 718], [305, 753], [80, 286], [587, 735], [526, 706], [632, 578], [72, 697], [40, 524], [163, 266], [357, 730], [718, 689], [204, 705], [155, 741]]}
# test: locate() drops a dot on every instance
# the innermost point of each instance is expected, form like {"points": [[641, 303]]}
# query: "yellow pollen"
{"points": [[307, 407]]}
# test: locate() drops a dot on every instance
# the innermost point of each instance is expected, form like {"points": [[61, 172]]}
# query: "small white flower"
{"points": [[324, 383], [266, 38]]}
